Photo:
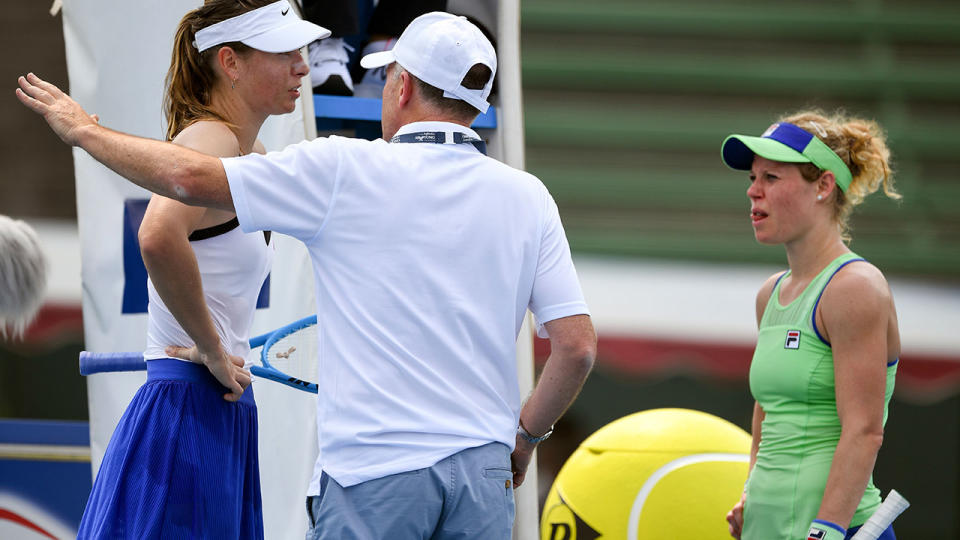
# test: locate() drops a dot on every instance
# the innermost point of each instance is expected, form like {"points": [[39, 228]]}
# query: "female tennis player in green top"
{"points": [[823, 370]]}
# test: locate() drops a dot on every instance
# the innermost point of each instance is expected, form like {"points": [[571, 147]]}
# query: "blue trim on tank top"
{"points": [[785, 272], [894, 362], [813, 314]]}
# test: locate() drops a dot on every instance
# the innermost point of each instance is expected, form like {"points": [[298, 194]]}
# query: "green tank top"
{"points": [[791, 377]]}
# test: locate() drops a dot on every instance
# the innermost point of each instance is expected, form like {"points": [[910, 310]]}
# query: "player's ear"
{"points": [[405, 88], [826, 184], [227, 60]]}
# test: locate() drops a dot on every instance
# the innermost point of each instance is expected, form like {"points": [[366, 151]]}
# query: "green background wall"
{"points": [[627, 103]]}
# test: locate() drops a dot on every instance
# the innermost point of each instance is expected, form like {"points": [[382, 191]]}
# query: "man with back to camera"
{"points": [[426, 256]]}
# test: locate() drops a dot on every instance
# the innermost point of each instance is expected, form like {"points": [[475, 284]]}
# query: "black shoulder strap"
{"points": [[216, 230]]}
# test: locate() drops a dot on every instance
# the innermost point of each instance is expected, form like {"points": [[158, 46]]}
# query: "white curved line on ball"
{"points": [[666, 469]]}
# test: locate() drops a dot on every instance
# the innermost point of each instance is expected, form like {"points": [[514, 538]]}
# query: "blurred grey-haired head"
{"points": [[23, 275]]}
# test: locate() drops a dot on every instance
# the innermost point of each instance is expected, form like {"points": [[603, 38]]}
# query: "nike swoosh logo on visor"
{"points": [[284, 12]]}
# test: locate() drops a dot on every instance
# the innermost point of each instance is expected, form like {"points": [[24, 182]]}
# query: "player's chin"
{"points": [[287, 104], [765, 239]]}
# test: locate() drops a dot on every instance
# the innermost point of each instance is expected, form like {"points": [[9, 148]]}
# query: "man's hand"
{"points": [[64, 115], [228, 369], [520, 459]]}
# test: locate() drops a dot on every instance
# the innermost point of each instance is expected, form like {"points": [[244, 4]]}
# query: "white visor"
{"points": [[274, 28]]}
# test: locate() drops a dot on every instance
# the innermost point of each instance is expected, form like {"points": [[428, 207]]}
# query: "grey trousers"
{"points": [[466, 495]]}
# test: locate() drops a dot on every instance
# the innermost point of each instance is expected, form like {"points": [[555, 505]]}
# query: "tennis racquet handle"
{"points": [[892, 507], [91, 362]]}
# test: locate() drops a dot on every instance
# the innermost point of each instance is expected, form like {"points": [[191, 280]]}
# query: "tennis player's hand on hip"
{"points": [[64, 115], [520, 460], [735, 518], [228, 369]]}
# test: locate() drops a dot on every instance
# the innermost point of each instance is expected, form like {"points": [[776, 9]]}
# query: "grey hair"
{"points": [[23, 275], [434, 97]]}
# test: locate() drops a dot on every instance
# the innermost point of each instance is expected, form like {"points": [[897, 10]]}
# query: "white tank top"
{"points": [[233, 266]]}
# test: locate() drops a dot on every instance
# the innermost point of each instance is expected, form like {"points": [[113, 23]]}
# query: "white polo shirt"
{"points": [[426, 258]]}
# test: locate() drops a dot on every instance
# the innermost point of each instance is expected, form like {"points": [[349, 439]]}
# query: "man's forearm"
{"points": [[164, 168], [560, 383], [172, 171], [573, 348]]}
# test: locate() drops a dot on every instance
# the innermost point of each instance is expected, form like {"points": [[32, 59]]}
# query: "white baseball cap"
{"points": [[274, 28], [439, 49]]}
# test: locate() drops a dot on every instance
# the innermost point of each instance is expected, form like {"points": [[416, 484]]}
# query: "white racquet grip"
{"points": [[892, 507]]}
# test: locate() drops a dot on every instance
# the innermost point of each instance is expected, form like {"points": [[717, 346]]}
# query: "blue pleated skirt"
{"points": [[182, 462]]}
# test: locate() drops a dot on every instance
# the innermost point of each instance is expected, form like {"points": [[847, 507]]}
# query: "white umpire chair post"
{"points": [[512, 145], [509, 143]]}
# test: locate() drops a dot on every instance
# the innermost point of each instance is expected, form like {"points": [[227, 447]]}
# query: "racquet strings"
{"points": [[295, 354]]}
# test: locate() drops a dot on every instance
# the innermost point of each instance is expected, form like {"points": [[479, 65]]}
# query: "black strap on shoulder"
{"points": [[223, 228], [216, 230]]}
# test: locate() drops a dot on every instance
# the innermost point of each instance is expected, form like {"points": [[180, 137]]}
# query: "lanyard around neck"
{"points": [[441, 137]]}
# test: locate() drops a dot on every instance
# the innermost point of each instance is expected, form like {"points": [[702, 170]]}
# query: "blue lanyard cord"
{"points": [[440, 137]]}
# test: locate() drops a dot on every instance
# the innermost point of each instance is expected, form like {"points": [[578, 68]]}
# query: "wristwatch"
{"points": [[525, 435]]}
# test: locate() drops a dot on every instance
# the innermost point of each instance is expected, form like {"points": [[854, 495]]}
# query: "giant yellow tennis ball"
{"points": [[670, 474]]}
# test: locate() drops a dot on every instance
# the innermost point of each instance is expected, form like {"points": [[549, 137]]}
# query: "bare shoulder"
{"points": [[210, 137], [857, 301], [857, 315], [767, 288], [259, 148], [860, 284], [763, 295]]}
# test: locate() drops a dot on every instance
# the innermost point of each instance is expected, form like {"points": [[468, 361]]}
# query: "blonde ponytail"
{"points": [[192, 74], [862, 146]]}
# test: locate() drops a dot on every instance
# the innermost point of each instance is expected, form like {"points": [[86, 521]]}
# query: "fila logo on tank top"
{"points": [[793, 340]]}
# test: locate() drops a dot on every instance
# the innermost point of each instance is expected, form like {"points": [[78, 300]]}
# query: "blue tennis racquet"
{"points": [[288, 355]]}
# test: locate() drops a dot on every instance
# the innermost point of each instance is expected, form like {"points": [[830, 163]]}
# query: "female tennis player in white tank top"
{"points": [[183, 463]]}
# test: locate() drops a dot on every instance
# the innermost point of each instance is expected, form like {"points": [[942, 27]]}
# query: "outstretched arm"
{"points": [[163, 168], [573, 347]]}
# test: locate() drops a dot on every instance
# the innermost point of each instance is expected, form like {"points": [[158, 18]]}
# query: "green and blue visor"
{"points": [[785, 143]]}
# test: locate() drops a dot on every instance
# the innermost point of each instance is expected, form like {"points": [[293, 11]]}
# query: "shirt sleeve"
{"points": [[291, 191], [556, 288]]}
